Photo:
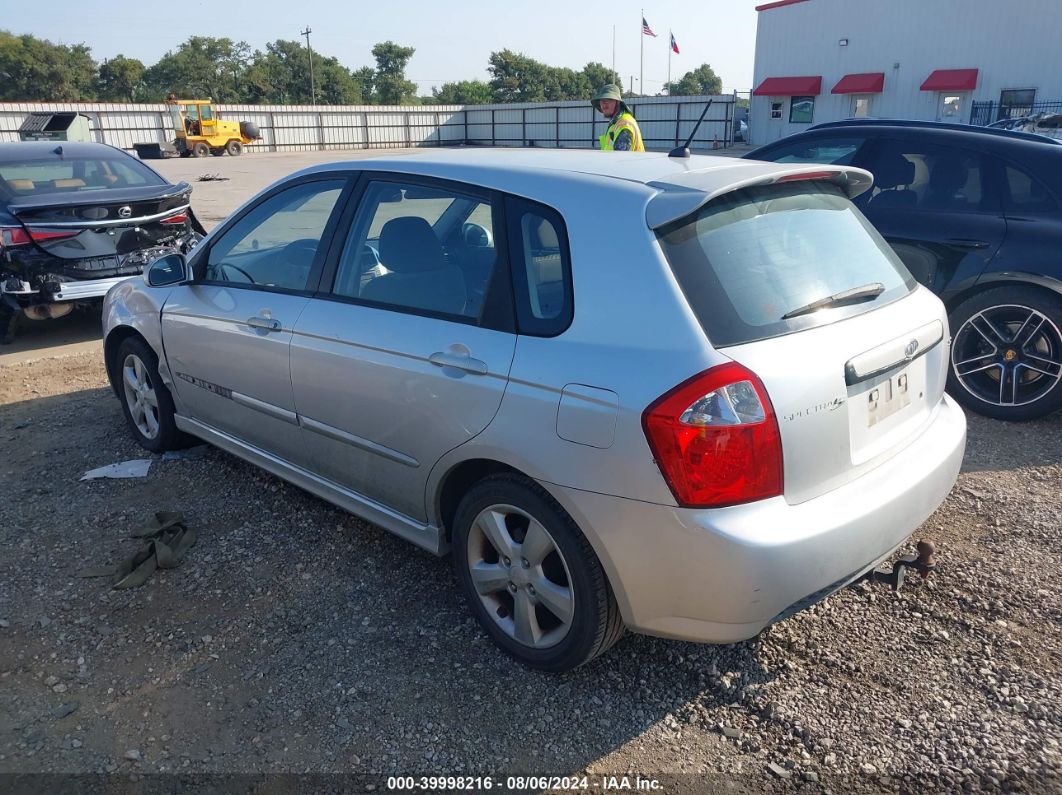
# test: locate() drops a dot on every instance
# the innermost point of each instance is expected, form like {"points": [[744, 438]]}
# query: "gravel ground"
{"points": [[297, 638]]}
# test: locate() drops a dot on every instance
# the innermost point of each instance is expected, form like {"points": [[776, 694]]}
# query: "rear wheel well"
{"points": [[954, 301], [459, 480]]}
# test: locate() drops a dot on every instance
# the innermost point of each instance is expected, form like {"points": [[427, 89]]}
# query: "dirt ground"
{"points": [[296, 639]]}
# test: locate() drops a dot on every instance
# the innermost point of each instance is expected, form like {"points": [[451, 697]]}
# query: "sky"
{"points": [[453, 38]]}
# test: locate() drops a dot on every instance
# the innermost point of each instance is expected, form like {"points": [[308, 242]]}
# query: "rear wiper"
{"points": [[853, 296]]}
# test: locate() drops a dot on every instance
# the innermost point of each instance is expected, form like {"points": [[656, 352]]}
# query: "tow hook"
{"points": [[924, 563]]}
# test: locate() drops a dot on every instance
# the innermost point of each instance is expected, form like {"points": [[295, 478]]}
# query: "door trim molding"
{"points": [[357, 441]]}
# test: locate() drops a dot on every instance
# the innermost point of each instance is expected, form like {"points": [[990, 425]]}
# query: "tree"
{"points": [[390, 85], [702, 80], [36, 69], [281, 75], [365, 78], [120, 79], [516, 78], [598, 75], [465, 92], [201, 67]]}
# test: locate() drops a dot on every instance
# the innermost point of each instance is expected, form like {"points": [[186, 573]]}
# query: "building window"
{"points": [[1016, 102], [860, 107], [951, 107], [776, 110], [801, 110]]}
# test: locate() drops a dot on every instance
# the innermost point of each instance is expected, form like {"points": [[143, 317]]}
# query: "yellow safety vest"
{"points": [[620, 122]]}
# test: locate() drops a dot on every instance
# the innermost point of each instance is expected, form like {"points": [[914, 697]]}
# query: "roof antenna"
{"points": [[684, 150]]}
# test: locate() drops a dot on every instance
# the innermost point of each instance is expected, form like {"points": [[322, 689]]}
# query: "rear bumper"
{"points": [[722, 575], [79, 290]]}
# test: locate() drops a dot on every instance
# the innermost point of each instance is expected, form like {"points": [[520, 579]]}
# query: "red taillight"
{"points": [[174, 220], [13, 236], [809, 175], [44, 235], [716, 439]]}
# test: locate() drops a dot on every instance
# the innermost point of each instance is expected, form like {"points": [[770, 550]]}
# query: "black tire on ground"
{"points": [[234, 148], [1013, 333], [200, 149], [596, 622], [8, 323], [168, 436]]}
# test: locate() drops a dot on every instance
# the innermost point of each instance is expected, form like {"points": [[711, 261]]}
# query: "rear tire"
{"points": [[234, 148], [200, 149], [530, 576], [146, 402], [1006, 353]]}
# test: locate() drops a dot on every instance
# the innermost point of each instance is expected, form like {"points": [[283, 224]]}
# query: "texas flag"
{"points": [[648, 31], [674, 45]]}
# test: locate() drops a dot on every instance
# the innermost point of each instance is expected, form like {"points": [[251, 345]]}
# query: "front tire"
{"points": [[530, 576], [146, 402], [1006, 353], [234, 148], [200, 149]]}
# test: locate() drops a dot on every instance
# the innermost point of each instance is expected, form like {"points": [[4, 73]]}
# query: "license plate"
{"points": [[888, 397]]}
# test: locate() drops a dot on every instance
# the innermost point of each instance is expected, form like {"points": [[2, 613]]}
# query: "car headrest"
{"points": [[894, 171], [21, 184], [68, 183], [409, 245]]}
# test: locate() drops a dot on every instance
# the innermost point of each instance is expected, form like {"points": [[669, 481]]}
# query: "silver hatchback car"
{"points": [[681, 396]]}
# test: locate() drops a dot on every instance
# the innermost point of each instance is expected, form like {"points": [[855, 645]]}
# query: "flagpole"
{"points": [[613, 49], [641, 39], [670, 38]]}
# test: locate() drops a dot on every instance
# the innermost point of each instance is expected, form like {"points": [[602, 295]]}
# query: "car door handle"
{"points": [[466, 363], [264, 323], [963, 243]]}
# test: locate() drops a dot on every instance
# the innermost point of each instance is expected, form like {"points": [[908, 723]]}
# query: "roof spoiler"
{"points": [[677, 200]]}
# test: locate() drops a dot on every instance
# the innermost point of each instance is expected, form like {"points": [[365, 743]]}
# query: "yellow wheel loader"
{"points": [[199, 132]]}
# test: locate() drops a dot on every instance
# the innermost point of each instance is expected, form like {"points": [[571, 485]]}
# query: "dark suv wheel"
{"points": [[1006, 353]]}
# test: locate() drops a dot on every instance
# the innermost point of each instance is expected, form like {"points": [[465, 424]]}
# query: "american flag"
{"points": [[674, 44], [648, 31]]}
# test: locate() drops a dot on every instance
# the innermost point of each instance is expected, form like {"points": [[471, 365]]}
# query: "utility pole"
{"points": [[613, 49], [670, 38], [313, 92], [632, 85], [641, 40]]}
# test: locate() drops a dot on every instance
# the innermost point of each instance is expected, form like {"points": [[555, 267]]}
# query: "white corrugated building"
{"points": [[823, 60]]}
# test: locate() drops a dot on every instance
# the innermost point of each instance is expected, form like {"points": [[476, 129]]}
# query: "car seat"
{"points": [[419, 275], [893, 176]]}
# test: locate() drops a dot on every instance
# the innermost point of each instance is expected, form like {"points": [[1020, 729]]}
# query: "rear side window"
{"points": [[542, 279], [750, 258], [1025, 192]]}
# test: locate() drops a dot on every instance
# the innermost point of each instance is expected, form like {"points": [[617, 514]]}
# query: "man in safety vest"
{"points": [[623, 134]]}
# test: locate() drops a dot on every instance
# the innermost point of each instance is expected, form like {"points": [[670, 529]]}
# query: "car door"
{"points": [[227, 334], [405, 352], [935, 204]]}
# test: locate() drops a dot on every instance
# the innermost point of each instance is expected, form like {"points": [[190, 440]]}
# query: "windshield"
{"points": [[74, 174], [752, 262]]}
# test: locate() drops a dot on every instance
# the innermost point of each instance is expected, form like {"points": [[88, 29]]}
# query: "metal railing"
{"points": [[665, 122], [984, 113]]}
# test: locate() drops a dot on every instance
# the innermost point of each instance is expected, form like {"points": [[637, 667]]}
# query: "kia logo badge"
{"points": [[125, 212], [909, 351]]}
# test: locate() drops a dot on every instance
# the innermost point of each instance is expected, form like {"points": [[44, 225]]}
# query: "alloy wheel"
{"points": [[1008, 355], [140, 396], [520, 576]]}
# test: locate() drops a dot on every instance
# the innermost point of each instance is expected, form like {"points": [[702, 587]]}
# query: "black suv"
{"points": [[976, 215]]}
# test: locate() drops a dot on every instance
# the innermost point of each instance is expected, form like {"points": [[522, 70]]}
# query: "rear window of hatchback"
{"points": [[751, 257]]}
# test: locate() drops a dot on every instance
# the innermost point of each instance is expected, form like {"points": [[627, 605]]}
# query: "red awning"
{"points": [[951, 80], [789, 87], [866, 83]]}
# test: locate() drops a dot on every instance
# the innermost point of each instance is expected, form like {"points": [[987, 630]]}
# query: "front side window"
{"points": [[275, 244], [424, 249], [801, 110], [753, 263]]}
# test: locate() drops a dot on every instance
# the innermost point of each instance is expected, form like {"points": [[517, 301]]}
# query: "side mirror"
{"points": [[476, 236], [167, 270]]}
